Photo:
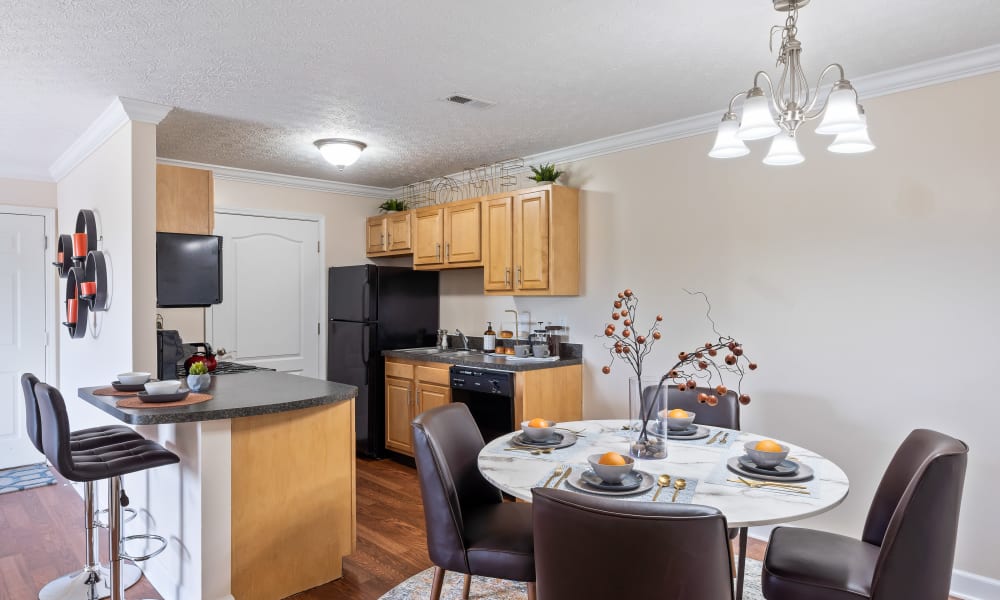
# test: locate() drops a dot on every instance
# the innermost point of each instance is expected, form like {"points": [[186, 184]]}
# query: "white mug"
{"points": [[540, 350], [522, 351]]}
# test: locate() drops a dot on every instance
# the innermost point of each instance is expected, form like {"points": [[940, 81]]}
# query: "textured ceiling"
{"points": [[255, 83]]}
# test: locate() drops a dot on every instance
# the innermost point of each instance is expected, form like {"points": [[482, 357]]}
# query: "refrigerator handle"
{"points": [[365, 296], [365, 343]]}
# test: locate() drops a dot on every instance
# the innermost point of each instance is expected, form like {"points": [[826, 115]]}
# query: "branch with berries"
{"points": [[630, 345]]}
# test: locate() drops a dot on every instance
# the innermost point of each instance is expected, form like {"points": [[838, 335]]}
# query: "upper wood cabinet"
{"points": [[448, 236], [185, 200], [533, 243], [389, 234]]}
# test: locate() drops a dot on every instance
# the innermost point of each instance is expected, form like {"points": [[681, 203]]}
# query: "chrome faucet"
{"points": [[462, 336]]}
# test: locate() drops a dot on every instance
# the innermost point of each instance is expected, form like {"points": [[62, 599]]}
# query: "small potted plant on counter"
{"points": [[393, 205], [198, 379], [545, 173]]}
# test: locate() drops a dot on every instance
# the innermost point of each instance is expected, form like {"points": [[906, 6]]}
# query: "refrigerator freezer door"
{"points": [[352, 294], [351, 360]]}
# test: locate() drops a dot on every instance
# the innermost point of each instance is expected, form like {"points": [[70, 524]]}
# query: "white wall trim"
{"points": [[118, 113], [51, 287], [965, 585], [8, 171], [293, 181]]}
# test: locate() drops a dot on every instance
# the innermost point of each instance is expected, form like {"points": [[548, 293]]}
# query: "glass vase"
{"points": [[647, 397]]}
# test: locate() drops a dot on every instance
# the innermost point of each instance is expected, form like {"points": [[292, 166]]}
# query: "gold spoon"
{"points": [[679, 484], [533, 451], [662, 482]]}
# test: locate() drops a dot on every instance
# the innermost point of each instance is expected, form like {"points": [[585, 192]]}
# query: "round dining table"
{"points": [[702, 463]]}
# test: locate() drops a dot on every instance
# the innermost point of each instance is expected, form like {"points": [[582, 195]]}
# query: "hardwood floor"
{"points": [[42, 533]]}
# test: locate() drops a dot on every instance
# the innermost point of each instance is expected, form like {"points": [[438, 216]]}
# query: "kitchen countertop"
{"points": [[235, 395], [485, 361]]}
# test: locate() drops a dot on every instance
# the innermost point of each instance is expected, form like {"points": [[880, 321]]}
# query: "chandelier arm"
{"points": [[732, 102], [770, 88], [809, 114]]}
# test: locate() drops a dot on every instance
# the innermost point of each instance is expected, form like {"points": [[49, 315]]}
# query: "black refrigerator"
{"points": [[371, 309]]}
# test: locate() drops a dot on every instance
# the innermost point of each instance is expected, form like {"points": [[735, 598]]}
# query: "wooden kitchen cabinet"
{"points": [[532, 242], [185, 200], [410, 389], [390, 234], [448, 236]]}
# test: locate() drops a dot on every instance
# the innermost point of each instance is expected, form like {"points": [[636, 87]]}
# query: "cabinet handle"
{"points": [[520, 282], [437, 251], [447, 250], [381, 239], [506, 277], [389, 237]]}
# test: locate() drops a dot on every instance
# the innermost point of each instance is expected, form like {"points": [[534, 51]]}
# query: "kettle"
{"points": [[206, 356]]}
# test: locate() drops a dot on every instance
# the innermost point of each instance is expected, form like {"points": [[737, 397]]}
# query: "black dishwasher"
{"points": [[489, 396]]}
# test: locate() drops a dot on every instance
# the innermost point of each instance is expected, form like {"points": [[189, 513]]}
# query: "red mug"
{"points": [[59, 257], [88, 288], [79, 244], [71, 311]]}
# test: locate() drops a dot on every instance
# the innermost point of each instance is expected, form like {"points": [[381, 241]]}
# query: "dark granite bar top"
{"points": [[570, 354], [235, 395]]}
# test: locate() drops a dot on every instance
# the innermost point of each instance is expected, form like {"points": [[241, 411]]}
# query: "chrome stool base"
{"points": [[87, 585]]}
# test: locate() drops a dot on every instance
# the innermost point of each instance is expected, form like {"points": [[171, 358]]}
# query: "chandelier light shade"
{"points": [[780, 110], [340, 152], [784, 151], [727, 143], [854, 142]]}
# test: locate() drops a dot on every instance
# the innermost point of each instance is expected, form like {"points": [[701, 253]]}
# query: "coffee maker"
{"points": [[169, 352]]}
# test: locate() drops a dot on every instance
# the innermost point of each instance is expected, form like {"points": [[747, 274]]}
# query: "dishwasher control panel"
{"points": [[498, 383]]}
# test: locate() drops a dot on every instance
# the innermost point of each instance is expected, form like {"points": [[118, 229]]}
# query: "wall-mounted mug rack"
{"points": [[85, 269]]}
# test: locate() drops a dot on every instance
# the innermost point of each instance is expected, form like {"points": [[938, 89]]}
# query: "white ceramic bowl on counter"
{"points": [[133, 378], [170, 386]]}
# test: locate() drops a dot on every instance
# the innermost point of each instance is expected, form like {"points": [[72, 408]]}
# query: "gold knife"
{"points": [[555, 473], [563, 478], [712, 441]]}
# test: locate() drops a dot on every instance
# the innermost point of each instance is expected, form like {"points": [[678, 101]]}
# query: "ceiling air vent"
{"points": [[465, 100]]}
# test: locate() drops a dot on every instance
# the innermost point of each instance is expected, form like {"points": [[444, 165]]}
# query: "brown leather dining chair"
{"points": [[592, 547], [907, 548], [470, 529]]}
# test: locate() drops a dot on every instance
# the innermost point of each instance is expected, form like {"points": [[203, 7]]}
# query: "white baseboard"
{"points": [[965, 585]]}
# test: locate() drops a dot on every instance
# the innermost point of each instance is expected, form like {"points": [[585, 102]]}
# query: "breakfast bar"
{"points": [[262, 504]]}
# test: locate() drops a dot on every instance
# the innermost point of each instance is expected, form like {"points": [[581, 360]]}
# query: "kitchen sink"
{"points": [[423, 350]]}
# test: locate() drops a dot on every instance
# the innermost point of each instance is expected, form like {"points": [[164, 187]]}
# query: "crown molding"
{"points": [[25, 173], [118, 113], [293, 181]]}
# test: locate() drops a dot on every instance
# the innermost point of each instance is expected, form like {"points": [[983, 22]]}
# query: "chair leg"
{"points": [[531, 591], [741, 569], [468, 585], [115, 538], [438, 583]]}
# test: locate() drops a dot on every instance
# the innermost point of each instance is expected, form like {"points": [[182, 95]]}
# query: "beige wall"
{"points": [[20, 192], [114, 182], [865, 286], [344, 218]]}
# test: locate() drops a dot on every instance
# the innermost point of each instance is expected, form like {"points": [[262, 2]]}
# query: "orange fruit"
{"points": [[678, 413], [537, 422], [768, 446], [612, 458]]}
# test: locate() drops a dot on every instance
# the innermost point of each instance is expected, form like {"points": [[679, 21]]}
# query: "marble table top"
{"points": [[517, 472]]}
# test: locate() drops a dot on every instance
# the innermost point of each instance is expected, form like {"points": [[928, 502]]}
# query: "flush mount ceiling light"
{"points": [[794, 103], [340, 152]]}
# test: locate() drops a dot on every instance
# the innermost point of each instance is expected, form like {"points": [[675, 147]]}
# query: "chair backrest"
{"points": [[592, 547], [446, 445], [914, 517], [54, 428], [31, 418], [725, 414]]}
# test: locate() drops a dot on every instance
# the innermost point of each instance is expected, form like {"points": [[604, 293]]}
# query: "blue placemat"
{"points": [[683, 497], [722, 475], [23, 478]]}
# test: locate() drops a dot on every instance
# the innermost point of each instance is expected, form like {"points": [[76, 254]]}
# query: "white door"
{"points": [[270, 314], [22, 328]]}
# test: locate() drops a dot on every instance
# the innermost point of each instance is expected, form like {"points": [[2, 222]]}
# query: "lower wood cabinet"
{"points": [[410, 389]]}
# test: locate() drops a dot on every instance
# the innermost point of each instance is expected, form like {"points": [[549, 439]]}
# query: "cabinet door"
{"points": [[498, 244], [463, 230], [431, 396], [428, 236], [398, 399], [376, 235], [185, 200], [398, 232], [531, 241]]}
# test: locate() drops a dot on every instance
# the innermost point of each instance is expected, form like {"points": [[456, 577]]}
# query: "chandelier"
{"points": [[794, 103]]}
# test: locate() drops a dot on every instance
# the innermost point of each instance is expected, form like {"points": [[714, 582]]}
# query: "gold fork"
{"points": [[798, 489], [556, 473]]}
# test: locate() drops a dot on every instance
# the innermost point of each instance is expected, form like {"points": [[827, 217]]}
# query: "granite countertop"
{"points": [[234, 395], [488, 361]]}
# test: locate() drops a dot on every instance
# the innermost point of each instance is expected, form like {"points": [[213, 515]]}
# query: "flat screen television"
{"points": [[188, 270]]}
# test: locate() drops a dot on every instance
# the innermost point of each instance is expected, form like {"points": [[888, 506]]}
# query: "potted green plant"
{"points": [[545, 173], [198, 379], [393, 205]]}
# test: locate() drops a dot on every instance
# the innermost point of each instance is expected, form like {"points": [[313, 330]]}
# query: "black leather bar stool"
{"points": [[88, 583], [95, 463]]}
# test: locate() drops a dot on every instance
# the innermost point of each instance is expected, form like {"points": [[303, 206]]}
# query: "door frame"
{"points": [[320, 221], [51, 288]]}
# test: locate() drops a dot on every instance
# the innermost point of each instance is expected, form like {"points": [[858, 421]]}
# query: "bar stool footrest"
{"points": [[130, 515], [143, 536]]}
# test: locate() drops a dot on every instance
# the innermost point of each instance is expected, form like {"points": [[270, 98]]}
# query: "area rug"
{"points": [[23, 478], [419, 586]]}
